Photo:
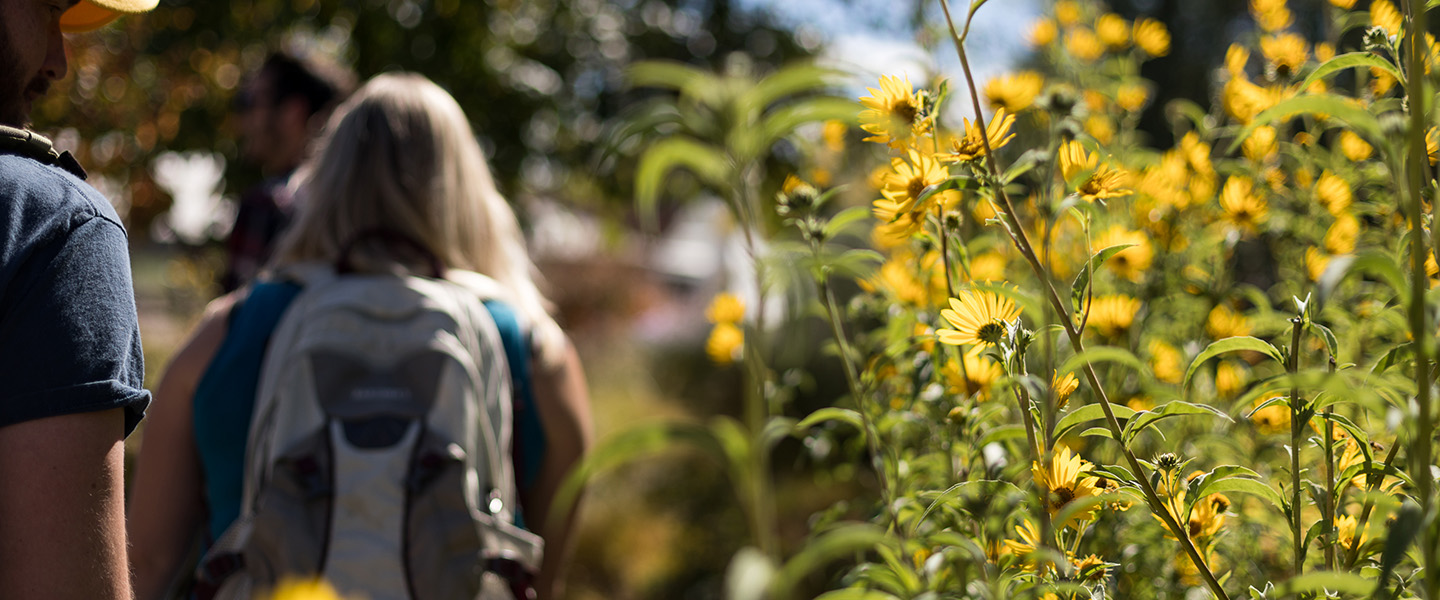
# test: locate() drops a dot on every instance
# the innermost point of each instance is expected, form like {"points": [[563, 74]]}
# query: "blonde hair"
{"points": [[400, 156]]}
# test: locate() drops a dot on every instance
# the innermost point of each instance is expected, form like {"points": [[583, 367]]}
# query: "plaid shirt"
{"points": [[264, 212]]}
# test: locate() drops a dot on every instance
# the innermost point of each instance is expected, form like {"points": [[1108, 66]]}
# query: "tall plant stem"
{"points": [[1373, 482], [1018, 236], [1416, 175], [1297, 429], [1328, 508], [757, 406], [872, 433]]}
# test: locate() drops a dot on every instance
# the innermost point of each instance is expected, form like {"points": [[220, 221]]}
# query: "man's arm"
{"points": [[62, 508]]}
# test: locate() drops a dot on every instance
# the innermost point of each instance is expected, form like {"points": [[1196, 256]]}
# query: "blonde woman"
{"points": [[398, 156]]}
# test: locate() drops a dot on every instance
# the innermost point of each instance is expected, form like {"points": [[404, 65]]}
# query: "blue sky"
{"points": [[871, 38]]}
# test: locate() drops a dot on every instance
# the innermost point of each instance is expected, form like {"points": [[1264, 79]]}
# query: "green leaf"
{"points": [[1316, 581], [1352, 60], [1221, 473], [1233, 344], [1082, 281], [1174, 408], [1247, 486], [667, 155], [844, 219], [1375, 263], [783, 121], [1102, 354], [820, 551], [790, 81], [954, 183], [1337, 107], [830, 413], [1098, 431], [1331, 344], [1089, 412], [674, 75], [632, 444], [855, 594], [1002, 433], [1402, 532]]}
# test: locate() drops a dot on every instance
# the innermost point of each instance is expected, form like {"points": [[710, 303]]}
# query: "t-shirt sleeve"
{"points": [[69, 336]]}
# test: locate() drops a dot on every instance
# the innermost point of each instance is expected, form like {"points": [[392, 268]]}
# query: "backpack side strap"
{"points": [[23, 142]]}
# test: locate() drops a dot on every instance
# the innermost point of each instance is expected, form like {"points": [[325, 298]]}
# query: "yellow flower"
{"points": [[1381, 81], [1340, 238], [1271, 15], [1063, 386], [1208, 516], [907, 179], [1229, 379], [1235, 59], [1075, 160], [1273, 419], [972, 146], [1384, 15], [989, 266], [1315, 263], [977, 376], [725, 343], [1028, 542], [1243, 210], [1065, 480], [1226, 323], [1014, 92], [1131, 263], [1067, 12], [1432, 144], [1132, 97], [1261, 144], [1243, 99], [1113, 31], [1286, 52], [1345, 531], [1165, 362], [1081, 43], [725, 308], [896, 225], [1100, 128], [892, 113], [1091, 568], [1332, 191], [1197, 154], [1105, 184], [833, 135], [1152, 37], [305, 589], [977, 317], [1042, 33], [1352, 146], [1323, 52], [1112, 314], [1344, 4]]}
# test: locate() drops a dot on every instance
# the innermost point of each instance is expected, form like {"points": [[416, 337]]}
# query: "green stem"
{"points": [[1415, 174], [1329, 506], [1297, 429], [852, 378], [756, 410], [1373, 482], [1018, 236]]}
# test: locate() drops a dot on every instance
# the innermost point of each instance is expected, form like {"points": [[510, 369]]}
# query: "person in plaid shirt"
{"points": [[281, 109]]}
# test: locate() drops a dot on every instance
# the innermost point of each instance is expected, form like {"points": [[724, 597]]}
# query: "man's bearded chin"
{"points": [[13, 111]]}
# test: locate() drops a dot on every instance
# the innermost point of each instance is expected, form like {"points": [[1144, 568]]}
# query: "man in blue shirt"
{"points": [[70, 360]]}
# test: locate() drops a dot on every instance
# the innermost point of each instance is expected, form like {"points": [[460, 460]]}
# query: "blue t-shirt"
{"points": [[69, 336]]}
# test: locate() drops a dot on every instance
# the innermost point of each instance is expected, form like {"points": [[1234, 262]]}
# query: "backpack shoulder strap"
{"points": [[528, 443], [23, 142]]}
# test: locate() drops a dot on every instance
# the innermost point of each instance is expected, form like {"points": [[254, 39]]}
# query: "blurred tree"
{"points": [[538, 78]]}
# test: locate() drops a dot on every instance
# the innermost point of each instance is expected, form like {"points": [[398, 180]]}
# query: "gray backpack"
{"points": [[378, 455]]}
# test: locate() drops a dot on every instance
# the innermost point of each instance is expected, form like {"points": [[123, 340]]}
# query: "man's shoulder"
{"points": [[34, 189]]}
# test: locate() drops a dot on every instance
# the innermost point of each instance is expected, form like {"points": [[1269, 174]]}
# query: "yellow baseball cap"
{"points": [[89, 15]]}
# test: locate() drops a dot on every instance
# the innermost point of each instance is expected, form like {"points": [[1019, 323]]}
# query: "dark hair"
{"points": [[321, 85]]}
